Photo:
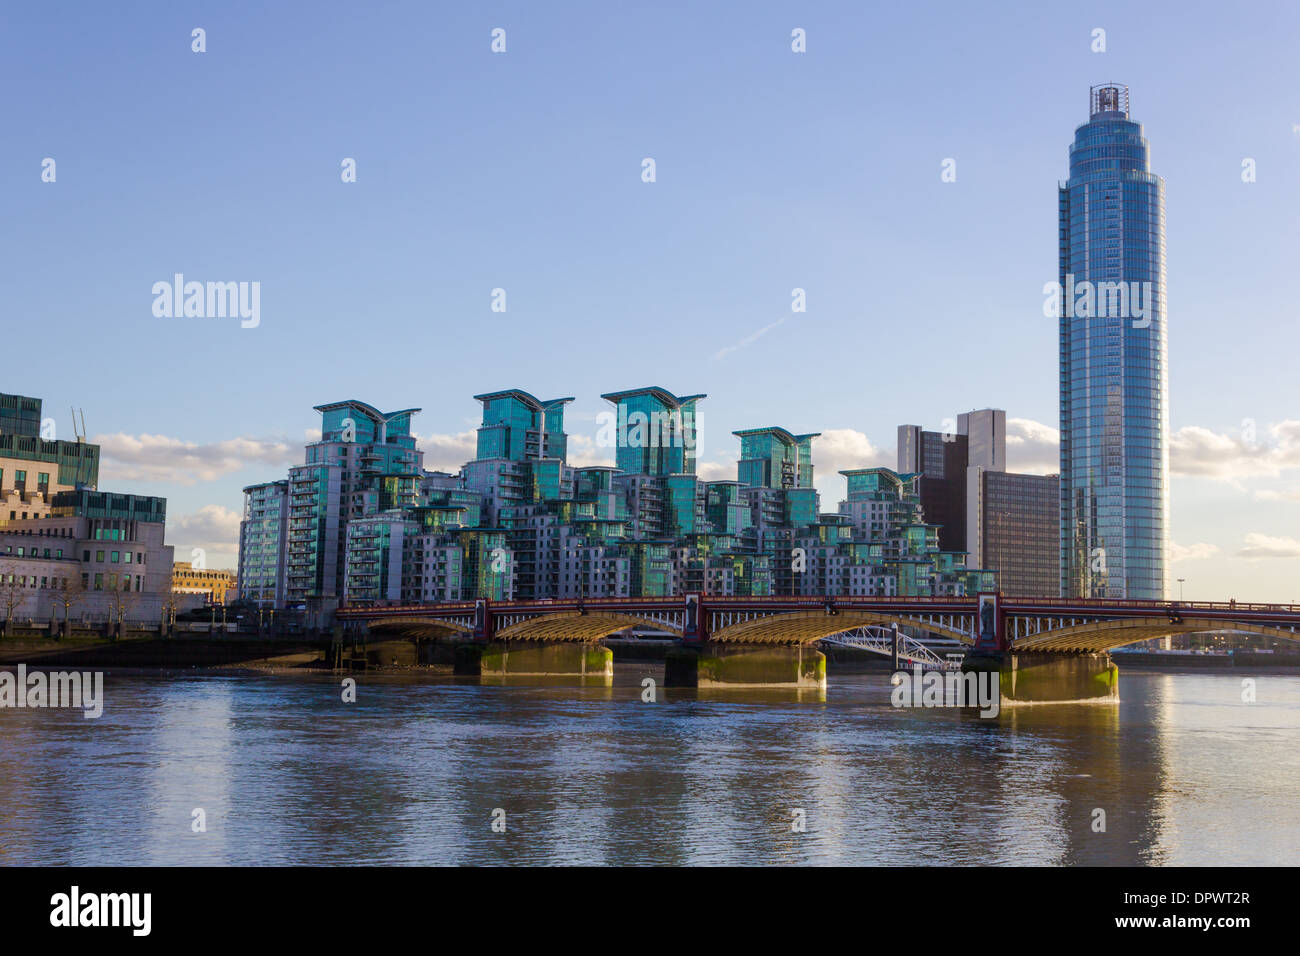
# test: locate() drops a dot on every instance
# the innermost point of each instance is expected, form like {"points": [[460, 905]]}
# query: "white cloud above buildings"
{"points": [[1192, 552], [1032, 447], [213, 528], [1199, 452], [125, 458], [1194, 452], [447, 452], [1258, 545]]}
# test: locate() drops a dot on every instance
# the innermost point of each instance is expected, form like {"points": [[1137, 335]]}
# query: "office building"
{"points": [[1114, 486]]}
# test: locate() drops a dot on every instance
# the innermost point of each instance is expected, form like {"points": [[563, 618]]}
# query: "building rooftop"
{"points": [[786, 437], [662, 394], [536, 404], [369, 411]]}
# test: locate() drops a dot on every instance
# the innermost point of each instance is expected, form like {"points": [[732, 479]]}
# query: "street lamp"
{"points": [[1180, 589]]}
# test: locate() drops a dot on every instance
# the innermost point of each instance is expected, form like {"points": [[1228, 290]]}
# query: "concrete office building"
{"points": [[1000, 520], [67, 550]]}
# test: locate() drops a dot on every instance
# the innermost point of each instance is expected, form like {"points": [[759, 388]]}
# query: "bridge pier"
{"points": [[1049, 677], [536, 659], [715, 664]]}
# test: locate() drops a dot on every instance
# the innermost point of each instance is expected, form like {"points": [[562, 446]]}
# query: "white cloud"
{"points": [[1032, 447], [1192, 552], [716, 470], [1198, 452], [585, 453], [1194, 452], [1286, 494], [448, 452], [840, 449], [1259, 545], [844, 449], [160, 458], [213, 528]]}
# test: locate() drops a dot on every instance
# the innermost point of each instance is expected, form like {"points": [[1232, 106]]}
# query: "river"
{"points": [[418, 768]]}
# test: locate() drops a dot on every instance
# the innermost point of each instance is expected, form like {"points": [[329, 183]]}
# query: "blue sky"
{"points": [[522, 171]]}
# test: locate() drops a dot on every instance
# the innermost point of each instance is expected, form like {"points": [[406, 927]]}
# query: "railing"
{"points": [[1125, 603], [1050, 606], [881, 641]]}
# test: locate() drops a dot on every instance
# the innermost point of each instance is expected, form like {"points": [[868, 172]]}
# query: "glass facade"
{"points": [[516, 426], [362, 522], [20, 415], [774, 458], [262, 543], [85, 503], [656, 431], [1114, 493]]}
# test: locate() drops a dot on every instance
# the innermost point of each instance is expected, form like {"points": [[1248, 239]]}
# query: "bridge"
{"points": [[1019, 624], [1016, 632]]}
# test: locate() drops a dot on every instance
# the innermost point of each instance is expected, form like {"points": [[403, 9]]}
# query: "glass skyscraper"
{"points": [[1114, 378]]}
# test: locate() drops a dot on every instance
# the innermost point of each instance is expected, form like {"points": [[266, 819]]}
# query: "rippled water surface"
{"points": [[411, 773]]}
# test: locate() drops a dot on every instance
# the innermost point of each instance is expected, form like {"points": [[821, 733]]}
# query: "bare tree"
{"points": [[170, 604], [68, 597], [119, 602], [11, 592]]}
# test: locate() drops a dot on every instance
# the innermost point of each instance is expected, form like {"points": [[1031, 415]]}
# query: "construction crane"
{"points": [[80, 434]]}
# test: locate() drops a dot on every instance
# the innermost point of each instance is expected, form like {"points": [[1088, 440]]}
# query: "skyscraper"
{"points": [[1114, 379]]}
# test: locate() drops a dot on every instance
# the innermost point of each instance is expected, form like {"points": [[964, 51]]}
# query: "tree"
{"points": [[67, 597], [119, 602], [11, 592]]}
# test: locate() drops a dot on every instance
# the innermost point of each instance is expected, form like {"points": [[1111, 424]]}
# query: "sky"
{"points": [[524, 171]]}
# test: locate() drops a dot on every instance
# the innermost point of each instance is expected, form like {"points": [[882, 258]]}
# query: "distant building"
{"points": [[34, 469], [1012, 525], [93, 556], [67, 549], [941, 459], [362, 523], [263, 544], [1005, 522], [213, 586], [342, 478], [656, 431]]}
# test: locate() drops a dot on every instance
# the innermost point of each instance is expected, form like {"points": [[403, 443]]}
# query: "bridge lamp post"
{"points": [[1180, 588]]}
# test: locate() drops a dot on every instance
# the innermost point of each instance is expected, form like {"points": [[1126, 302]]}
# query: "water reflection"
{"points": [[412, 772]]}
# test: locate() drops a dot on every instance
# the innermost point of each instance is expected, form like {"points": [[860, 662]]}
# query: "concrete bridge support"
{"points": [[1045, 676], [716, 664], [587, 661]]}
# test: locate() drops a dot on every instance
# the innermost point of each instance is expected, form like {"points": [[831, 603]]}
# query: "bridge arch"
{"points": [[577, 627], [1106, 635], [805, 627], [416, 627]]}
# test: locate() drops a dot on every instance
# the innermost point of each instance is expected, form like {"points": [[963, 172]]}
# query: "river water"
{"points": [[417, 769]]}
